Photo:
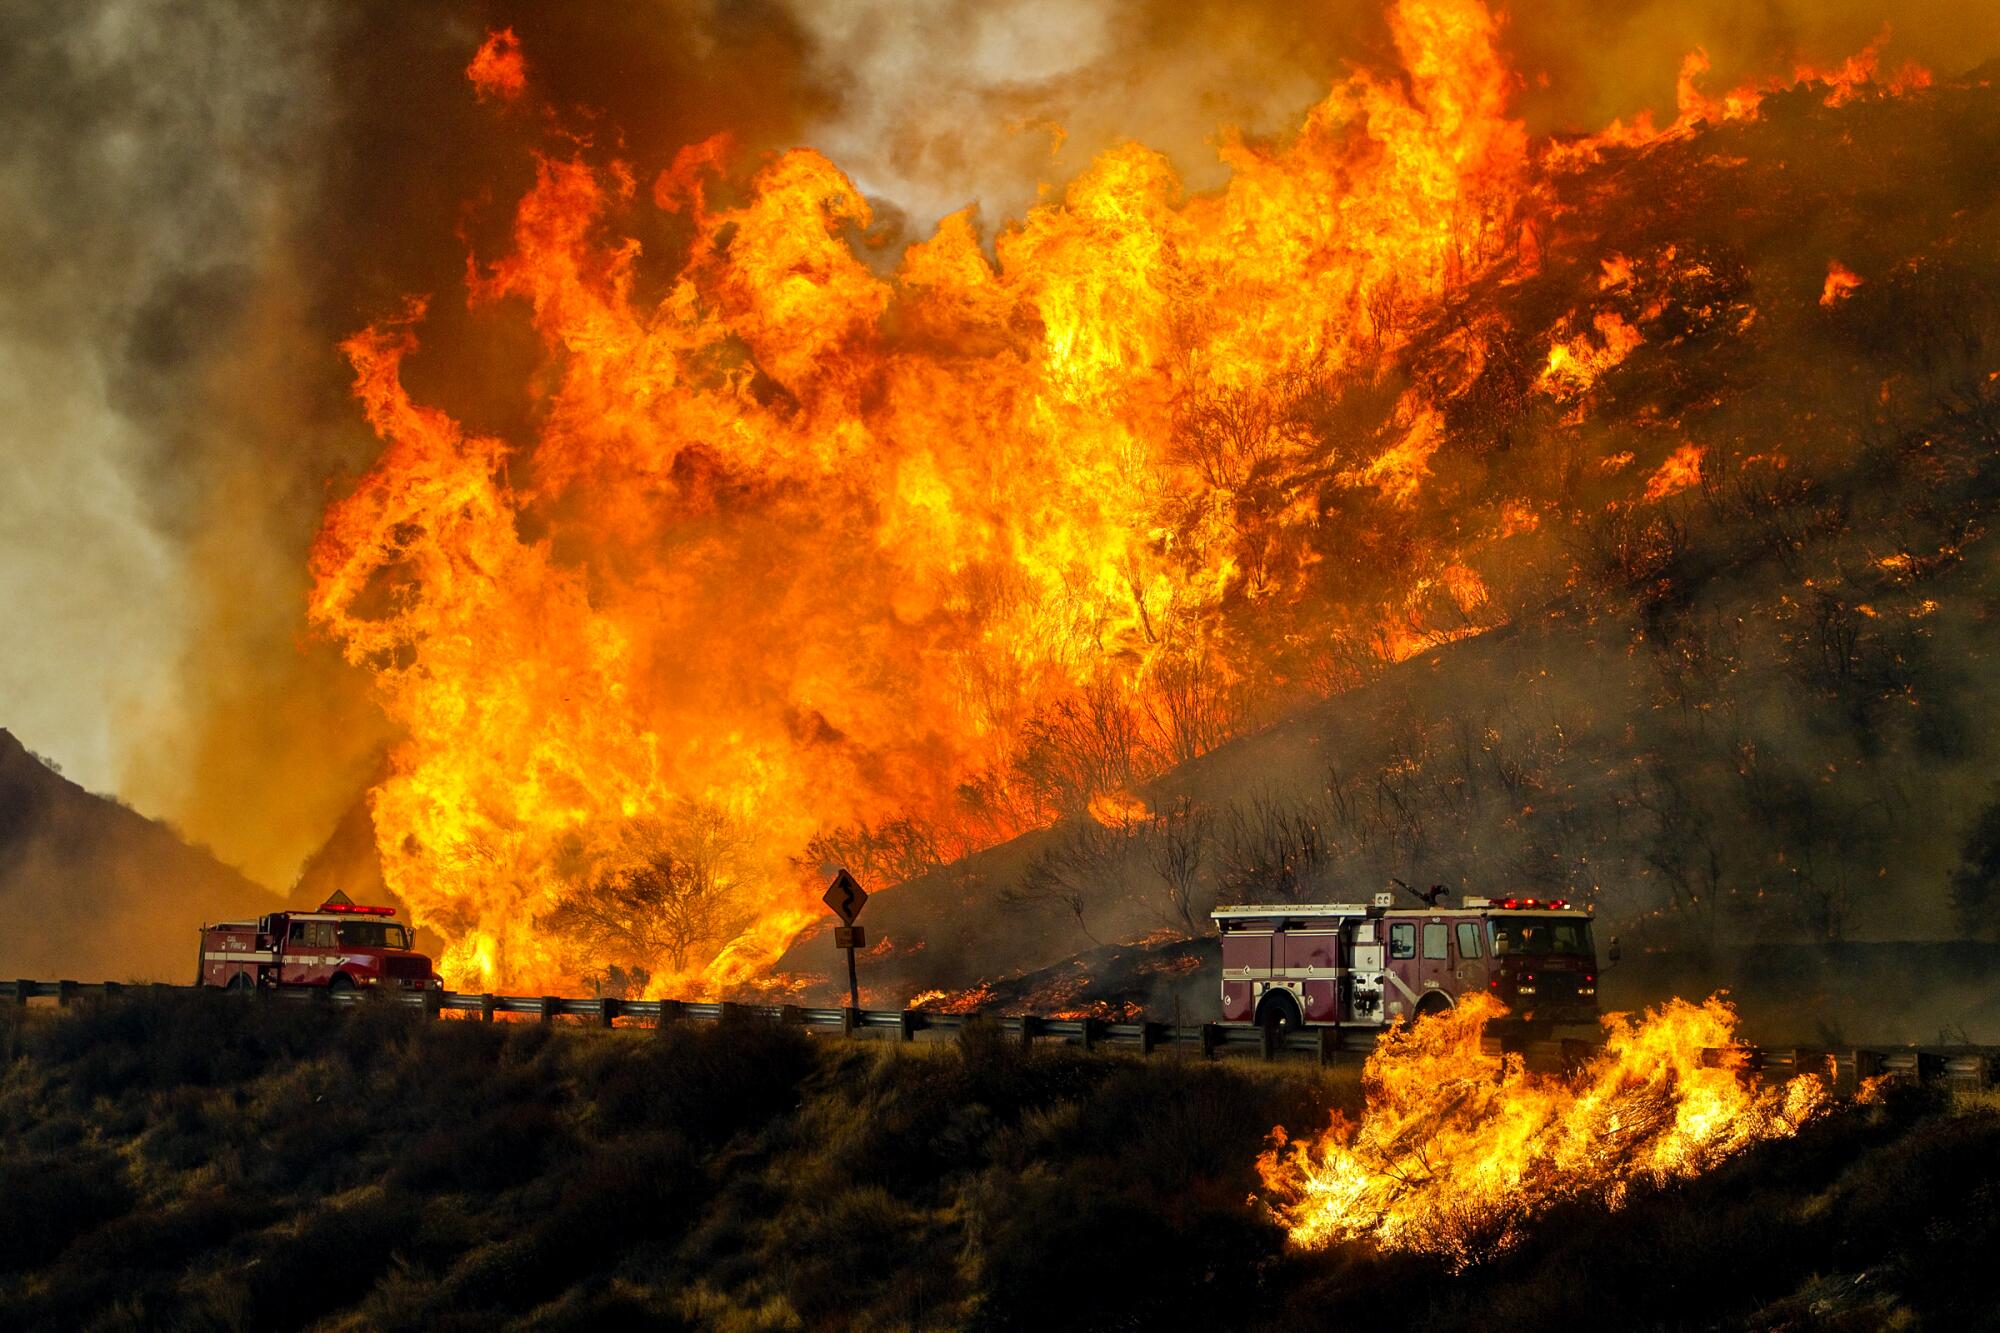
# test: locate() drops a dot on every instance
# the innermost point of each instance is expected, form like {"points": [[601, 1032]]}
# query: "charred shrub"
{"points": [[151, 1042], [706, 1081], [1050, 1243], [1009, 1080], [1187, 1131], [47, 1201], [1932, 1199], [626, 1193], [1975, 885], [824, 1283], [133, 1262], [504, 1147], [329, 1262]]}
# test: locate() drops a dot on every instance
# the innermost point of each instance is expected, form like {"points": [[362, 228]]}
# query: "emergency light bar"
{"points": [[356, 909]]}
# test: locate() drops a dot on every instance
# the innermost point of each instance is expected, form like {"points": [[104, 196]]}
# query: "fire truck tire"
{"points": [[241, 981], [341, 981], [1432, 1004], [1280, 1013]]}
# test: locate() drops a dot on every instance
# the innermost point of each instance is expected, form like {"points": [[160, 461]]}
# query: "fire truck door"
{"points": [[1404, 973], [1246, 961], [308, 952], [1437, 960], [1469, 957]]}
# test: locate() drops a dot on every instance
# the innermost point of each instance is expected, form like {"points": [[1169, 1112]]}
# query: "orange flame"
{"points": [[798, 546], [1681, 470], [1575, 365], [1118, 809], [1840, 283], [1458, 1151], [794, 547], [497, 69]]}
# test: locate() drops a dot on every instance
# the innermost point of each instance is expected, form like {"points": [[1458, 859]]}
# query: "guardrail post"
{"points": [[550, 1004], [433, 1002], [729, 1011], [1090, 1032], [1815, 1061], [1211, 1039], [906, 1025], [22, 990], [487, 1007], [850, 1021], [113, 989], [1329, 1044], [1269, 1038], [1971, 1069], [1031, 1027], [670, 1014], [792, 1015], [607, 1011], [65, 992], [1149, 1036]]}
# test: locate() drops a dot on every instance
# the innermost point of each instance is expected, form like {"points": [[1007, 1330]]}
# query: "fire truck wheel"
{"points": [[239, 982], [1432, 1004], [1280, 1013], [341, 982]]}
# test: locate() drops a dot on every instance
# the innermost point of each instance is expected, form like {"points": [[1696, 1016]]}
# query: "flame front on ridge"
{"points": [[796, 547]]}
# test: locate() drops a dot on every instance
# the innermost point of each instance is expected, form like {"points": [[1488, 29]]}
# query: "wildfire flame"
{"points": [[797, 547], [1118, 809], [1681, 471], [497, 69], [1840, 283], [1457, 1151]]}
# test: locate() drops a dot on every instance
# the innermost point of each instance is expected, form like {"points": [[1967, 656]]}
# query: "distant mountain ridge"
{"points": [[93, 891]]}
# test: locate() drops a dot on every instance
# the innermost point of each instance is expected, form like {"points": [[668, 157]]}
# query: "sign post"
{"points": [[846, 897]]}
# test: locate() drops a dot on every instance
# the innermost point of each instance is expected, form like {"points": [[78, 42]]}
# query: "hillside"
{"points": [[1728, 671], [181, 1162], [97, 891]]}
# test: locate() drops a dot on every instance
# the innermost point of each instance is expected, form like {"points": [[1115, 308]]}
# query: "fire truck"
{"points": [[343, 946], [1353, 965]]}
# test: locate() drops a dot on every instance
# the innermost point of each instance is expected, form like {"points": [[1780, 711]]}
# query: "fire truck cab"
{"points": [[1355, 965], [343, 945]]}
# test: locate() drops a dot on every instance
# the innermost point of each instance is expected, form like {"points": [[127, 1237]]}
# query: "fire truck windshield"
{"points": [[1540, 935], [374, 935]]}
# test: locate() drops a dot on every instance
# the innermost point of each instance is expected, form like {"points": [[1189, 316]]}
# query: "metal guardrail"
{"points": [[1964, 1066]]}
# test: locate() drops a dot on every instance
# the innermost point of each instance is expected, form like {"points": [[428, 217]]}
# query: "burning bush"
{"points": [[1456, 1151]]}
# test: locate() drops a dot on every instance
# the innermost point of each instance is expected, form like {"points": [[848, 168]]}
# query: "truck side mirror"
{"points": [[1615, 952]]}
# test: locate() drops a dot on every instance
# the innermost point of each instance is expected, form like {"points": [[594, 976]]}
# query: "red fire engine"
{"points": [[1346, 964], [343, 945]]}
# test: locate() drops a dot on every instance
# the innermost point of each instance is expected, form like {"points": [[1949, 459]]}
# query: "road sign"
{"points": [[845, 896], [850, 937]]}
